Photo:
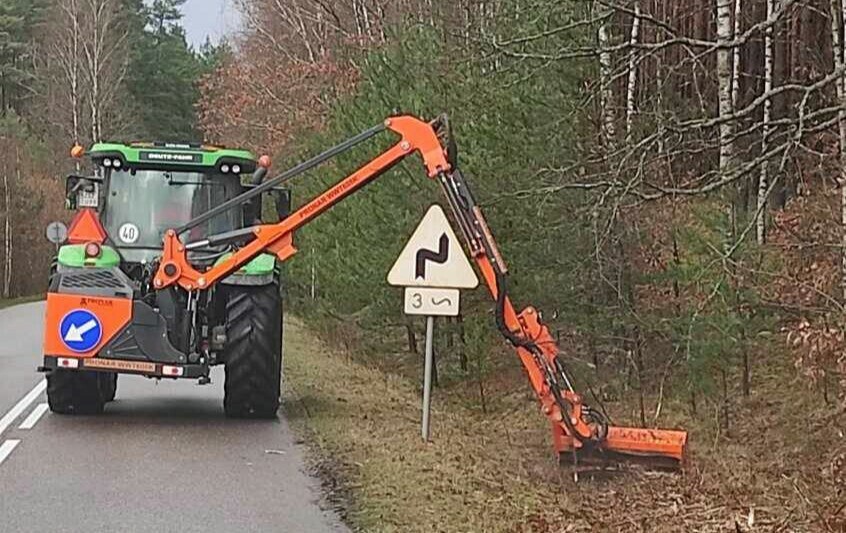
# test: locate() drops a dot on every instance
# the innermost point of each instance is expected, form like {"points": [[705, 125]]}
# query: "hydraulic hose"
{"points": [[462, 203], [531, 346]]}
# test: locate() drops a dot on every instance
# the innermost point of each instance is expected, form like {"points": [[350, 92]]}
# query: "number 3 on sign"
{"points": [[431, 302], [416, 300]]}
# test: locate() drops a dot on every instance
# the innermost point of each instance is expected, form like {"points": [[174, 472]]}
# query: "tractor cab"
{"points": [[141, 190]]}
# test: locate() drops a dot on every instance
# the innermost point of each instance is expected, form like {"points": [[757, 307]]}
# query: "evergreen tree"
{"points": [[163, 76], [17, 20]]}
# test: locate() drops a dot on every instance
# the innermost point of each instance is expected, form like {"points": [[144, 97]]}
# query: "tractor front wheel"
{"points": [[253, 355], [75, 393]]}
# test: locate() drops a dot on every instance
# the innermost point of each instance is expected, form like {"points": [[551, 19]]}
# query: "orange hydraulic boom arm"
{"points": [[576, 428]]}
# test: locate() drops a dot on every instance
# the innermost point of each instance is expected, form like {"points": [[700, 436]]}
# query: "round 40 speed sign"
{"points": [[128, 233]]}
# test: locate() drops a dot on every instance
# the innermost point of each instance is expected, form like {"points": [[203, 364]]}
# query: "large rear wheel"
{"points": [[75, 393], [253, 355], [108, 386]]}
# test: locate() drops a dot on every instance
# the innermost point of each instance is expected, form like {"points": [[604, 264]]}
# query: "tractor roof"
{"points": [[188, 156]]}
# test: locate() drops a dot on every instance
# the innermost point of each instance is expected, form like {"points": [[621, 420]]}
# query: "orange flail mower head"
{"points": [[655, 448]]}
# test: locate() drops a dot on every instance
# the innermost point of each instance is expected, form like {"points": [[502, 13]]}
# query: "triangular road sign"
{"points": [[433, 257]]}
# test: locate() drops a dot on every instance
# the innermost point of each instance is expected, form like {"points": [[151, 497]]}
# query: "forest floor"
{"points": [[780, 467]]}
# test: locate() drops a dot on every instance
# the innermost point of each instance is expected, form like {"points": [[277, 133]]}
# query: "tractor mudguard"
{"points": [[73, 256], [260, 271]]}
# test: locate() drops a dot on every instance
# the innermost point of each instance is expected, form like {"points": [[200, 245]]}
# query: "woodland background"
{"points": [[667, 178]]}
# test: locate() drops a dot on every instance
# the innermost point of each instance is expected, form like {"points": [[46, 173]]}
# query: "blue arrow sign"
{"points": [[81, 330]]}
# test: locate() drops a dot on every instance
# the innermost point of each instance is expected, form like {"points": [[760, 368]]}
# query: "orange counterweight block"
{"points": [[97, 321]]}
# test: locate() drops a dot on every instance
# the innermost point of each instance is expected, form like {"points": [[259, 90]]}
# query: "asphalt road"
{"points": [[162, 458]]}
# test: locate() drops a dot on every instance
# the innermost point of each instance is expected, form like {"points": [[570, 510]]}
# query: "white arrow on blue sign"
{"points": [[81, 330]]}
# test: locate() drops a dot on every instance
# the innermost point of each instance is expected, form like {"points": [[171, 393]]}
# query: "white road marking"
{"points": [[22, 405], [6, 449], [34, 416]]}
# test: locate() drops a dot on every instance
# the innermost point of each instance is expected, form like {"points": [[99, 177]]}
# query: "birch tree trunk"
{"points": [[73, 69], [724, 77], [7, 237], [104, 45], [355, 10], [837, 19], [735, 63], [94, 61], [65, 50], [631, 88], [763, 178], [726, 126], [606, 90]]}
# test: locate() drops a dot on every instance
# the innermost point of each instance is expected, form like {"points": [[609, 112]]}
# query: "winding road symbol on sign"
{"points": [[81, 330], [424, 255], [443, 301]]}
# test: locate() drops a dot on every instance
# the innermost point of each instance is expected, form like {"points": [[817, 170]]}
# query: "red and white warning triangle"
{"points": [[433, 257]]}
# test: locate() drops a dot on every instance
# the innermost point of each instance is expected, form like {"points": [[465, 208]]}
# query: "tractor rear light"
{"points": [[92, 250], [172, 371], [66, 362]]}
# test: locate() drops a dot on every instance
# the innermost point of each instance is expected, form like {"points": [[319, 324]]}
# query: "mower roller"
{"points": [[172, 293]]}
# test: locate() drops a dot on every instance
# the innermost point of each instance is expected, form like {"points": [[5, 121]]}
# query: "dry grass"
{"points": [[495, 472], [22, 300]]}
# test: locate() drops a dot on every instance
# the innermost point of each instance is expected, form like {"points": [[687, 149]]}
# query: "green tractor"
{"points": [[105, 318]]}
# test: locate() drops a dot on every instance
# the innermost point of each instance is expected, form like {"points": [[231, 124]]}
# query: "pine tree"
{"points": [[18, 18], [163, 75]]}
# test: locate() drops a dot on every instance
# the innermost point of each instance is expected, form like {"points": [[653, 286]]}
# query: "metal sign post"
{"points": [[427, 374], [432, 267]]}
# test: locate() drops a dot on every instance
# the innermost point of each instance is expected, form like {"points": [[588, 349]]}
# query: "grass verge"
{"points": [[495, 471], [22, 300]]}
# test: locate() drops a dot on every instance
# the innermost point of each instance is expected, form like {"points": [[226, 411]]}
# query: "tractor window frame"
{"points": [[182, 181]]}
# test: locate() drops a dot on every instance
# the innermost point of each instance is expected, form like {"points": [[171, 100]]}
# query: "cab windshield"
{"points": [[142, 204]]}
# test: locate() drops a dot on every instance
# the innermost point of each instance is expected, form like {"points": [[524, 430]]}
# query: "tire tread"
{"points": [[253, 355]]}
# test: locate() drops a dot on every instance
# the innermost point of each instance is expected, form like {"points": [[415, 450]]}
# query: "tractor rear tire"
{"points": [[253, 354], [74, 393], [108, 386]]}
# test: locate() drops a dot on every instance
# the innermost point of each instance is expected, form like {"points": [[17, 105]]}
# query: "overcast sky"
{"points": [[212, 18]]}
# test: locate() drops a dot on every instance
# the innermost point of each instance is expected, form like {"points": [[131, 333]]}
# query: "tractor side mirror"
{"points": [[257, 210], [252, 212], [252, 209], [82, 191], [282, 199]]}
